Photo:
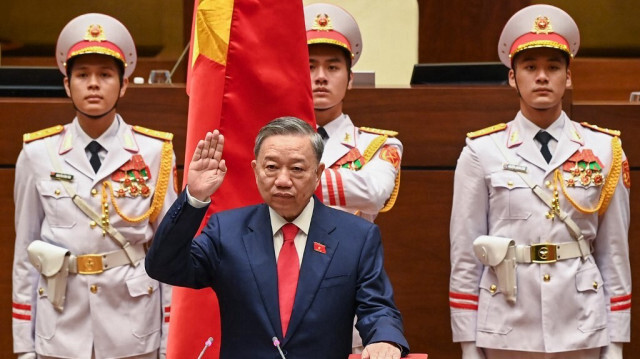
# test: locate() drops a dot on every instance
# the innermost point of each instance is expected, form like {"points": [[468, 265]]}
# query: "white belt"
{"points": [[98, 263], [548, 252]]}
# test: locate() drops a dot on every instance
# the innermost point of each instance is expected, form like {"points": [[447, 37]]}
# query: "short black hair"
{"points": [[119, 65]]}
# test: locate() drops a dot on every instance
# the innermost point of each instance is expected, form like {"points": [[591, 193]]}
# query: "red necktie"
{"points": [[288, 271]]}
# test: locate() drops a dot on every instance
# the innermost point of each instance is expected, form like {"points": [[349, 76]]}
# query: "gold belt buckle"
{"points": [[543, 253], [90, 264]]}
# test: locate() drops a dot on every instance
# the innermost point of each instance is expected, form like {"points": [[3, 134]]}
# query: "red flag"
{"points": [[249, 64]]}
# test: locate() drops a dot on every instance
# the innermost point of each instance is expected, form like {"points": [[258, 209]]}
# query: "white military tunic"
{"points": [[568, 305], [121, 312], [366, 190], [347, 186]]}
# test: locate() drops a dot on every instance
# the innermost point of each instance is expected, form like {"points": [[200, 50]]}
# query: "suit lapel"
{"points": [[340, 143], [258, 242], [314, 264], [75, 156], [531, 153], [334, 150]]}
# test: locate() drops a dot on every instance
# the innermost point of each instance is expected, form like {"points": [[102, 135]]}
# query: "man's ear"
{"points": [[350, 83], [568, 78], [67, 89], [319, 171], [512, 78], [123, 88]]}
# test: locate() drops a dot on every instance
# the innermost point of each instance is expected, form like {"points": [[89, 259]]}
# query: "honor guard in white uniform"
{"points": [[363, 164], [362, 174], [88, 196], [540, 218]]}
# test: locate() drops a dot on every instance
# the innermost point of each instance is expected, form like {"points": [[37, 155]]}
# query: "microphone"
{"points": [[207, 344], [276, 343]]}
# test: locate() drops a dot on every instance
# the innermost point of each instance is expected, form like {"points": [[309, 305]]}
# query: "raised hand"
{"points": [[207, 168]]}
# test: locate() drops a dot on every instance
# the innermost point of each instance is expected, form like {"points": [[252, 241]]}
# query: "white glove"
{"points": [[612, 351], [29, 355], [471, 351]]}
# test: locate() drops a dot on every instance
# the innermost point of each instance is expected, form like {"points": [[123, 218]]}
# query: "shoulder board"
{"points": [[28, 137], [379, 132], [487, 131], [614, 133], [167, 136]]}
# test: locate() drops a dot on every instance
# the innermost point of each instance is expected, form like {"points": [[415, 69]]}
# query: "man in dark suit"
{"points": [[290, 268]]}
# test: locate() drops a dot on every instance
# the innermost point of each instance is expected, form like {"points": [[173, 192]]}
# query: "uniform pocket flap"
{"points": [[142, 285], [490, 284], [507, 180], [53, 189], [589, 279]]}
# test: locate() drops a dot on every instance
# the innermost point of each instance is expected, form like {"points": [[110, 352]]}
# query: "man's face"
{"points": [[330, 77], [287, 173], [541, 76], [94, 86]]}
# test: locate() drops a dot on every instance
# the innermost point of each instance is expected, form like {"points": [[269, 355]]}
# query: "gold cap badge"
{"points": [[542, 25], [322, 23], [95, 33]]}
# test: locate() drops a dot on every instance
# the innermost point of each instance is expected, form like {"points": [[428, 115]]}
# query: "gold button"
{"points": [[94, 192], [57, 192], [92, 224], [41, 291], [595, 285], [93, 289], [546, 277], [548, 184], [510, 183], [493, 288], [150, 289]]}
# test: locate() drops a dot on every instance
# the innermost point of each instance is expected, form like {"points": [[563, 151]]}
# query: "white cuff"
{"points": [[612, 351], [194, 202], [471, 351]]}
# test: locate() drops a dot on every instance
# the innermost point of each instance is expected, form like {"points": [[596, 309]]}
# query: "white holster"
{"points": [[53, 263], [499, 253]]}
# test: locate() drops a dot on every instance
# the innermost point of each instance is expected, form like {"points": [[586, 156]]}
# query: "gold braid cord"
{"points": [[161, 188], [373, 147], [369, 152], [394, 195], [609, 187]]}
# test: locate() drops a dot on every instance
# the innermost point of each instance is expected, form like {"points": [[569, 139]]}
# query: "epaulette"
{"points": [[379, 131], [28, 137], [167, 136], [614, 133], [487, 131]]}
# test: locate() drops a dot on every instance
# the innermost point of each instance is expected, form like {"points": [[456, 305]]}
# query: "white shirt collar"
{"points": [[303, 221], [106, 139], [530, 129], [335, 127]]}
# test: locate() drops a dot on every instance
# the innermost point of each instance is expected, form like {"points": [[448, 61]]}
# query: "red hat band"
{"points": [[96, 47], [533, 40], [328, 37]]}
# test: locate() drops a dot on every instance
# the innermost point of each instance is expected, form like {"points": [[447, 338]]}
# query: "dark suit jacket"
{"points": [[234, 255]]}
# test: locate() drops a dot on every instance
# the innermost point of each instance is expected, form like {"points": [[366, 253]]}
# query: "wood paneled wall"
{"points": [[432, 122]]}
